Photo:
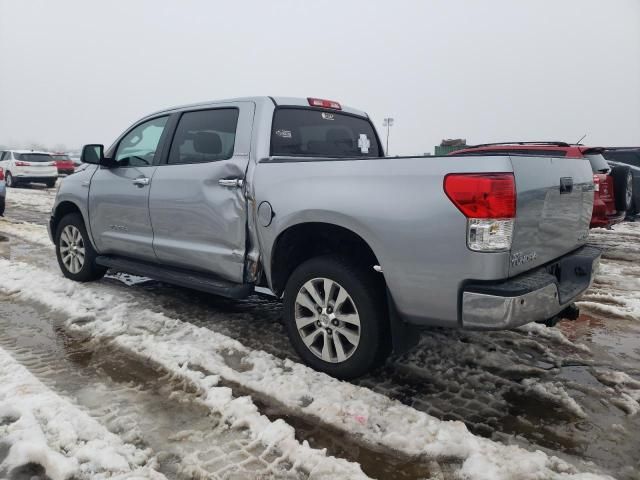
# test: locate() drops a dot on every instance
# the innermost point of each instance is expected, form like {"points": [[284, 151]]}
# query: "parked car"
{"points": [[64, 163], [629, 156], [28, 166], [297, 195], [3, 192], [613, 189]]}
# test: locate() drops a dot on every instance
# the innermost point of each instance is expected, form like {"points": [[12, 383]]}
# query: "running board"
{"points": [[177, 276]]}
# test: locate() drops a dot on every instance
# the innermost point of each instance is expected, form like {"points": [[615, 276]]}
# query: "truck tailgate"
{"points": [[553, 210]]}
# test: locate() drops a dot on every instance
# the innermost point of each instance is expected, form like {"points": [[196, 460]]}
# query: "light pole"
{"points": [[387, 122]]}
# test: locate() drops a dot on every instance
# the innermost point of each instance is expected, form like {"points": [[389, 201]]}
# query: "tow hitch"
{"points": [[571, 312]]}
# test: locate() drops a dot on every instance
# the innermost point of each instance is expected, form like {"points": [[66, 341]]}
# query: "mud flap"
{"points": [[404, 336]]}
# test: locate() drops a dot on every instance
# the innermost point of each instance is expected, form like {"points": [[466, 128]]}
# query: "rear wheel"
{"points": [[2, 201], [76, 256], [623, 187], [336, 316]]}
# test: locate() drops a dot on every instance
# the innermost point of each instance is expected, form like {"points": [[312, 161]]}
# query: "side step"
{"points": [[177, 276]]}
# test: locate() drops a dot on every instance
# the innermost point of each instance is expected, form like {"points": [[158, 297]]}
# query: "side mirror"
{"points": [[93, 153]]}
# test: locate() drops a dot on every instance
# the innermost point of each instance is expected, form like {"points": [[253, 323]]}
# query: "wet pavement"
{"points": [[532, 386]]}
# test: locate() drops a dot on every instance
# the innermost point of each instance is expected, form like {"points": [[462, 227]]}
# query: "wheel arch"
{"points": [[303, 241], [64, 208]]}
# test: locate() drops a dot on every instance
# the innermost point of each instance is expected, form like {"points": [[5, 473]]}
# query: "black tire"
{"points": [[366, 294], [89, 270], [10, 181], [51, 183], [622, 187], [2, 204]]}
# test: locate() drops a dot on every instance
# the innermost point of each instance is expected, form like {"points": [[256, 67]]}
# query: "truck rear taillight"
{"points": [[488, 200], [1, 174], [319, 102], [596, 183]]}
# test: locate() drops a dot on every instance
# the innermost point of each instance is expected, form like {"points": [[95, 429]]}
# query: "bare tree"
{"points": [[36, 146]]}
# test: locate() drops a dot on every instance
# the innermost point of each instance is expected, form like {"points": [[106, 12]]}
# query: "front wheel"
{"points": [[76, 256], [336, 316]]}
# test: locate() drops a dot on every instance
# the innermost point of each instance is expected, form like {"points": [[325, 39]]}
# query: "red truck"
{"points": [[613, 186]]}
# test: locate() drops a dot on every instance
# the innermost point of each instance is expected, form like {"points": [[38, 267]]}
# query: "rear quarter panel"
{"points": [[398, 206]]}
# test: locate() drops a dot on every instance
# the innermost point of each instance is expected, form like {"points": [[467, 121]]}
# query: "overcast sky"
{"points": [[79, 71]]}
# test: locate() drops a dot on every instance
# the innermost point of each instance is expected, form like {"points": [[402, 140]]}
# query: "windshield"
{"points": [[34, 157], [60, 157], [321, 133]]}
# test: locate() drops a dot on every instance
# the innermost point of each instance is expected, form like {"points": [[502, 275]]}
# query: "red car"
{"points": [[64, 163], [613, 186]]}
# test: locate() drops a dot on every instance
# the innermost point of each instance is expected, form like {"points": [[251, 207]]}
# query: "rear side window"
{"points": [[33, 157], [628, 157], [310, 132], [204, 136]]}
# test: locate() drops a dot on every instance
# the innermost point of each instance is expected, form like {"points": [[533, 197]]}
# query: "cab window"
{"points": [[138, 147], [204, 136]]}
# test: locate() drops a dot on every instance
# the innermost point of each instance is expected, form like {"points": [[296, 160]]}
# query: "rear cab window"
{"points": [[300, 131], [33, 157]]}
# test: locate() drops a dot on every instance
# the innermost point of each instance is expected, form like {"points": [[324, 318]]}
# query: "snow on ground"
{"points": [[167, 342], [39, 200], [205, 358], [42, 433], [29, 232]]}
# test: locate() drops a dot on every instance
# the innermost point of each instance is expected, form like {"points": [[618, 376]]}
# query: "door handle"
{"points": [[231, 182], [141, 182]]}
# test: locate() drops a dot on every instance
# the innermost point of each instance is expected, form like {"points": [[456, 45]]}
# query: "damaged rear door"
{"points": [[197, 205]]}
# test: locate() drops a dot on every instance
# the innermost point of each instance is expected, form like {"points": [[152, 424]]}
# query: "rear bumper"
{"points": [[65, 171], [538, 295], [35, 178]]}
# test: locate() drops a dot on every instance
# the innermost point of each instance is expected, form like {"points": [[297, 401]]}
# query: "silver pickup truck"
{"points": [[295, 194]]}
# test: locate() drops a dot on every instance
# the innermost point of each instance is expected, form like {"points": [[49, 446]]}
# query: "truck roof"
{"points": [[278, 101]]}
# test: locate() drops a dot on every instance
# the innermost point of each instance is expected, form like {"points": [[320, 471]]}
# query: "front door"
{"points": [[119, 196], [197, 203]]}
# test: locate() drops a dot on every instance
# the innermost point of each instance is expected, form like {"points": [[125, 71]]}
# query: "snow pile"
{"points": [[38, 427], [554, 393], [204, 357], [624, 390]]}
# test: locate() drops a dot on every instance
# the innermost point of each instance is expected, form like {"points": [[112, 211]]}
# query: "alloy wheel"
{"points": [[327, 320], [72, 249]]}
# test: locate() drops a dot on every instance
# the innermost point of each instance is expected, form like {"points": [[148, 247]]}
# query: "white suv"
{"points": [[26, 166]]}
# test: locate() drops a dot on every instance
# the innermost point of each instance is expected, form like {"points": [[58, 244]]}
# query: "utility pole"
{"points": [[387, 122]]}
